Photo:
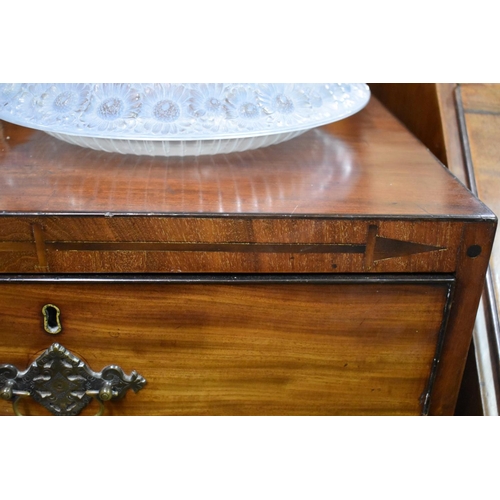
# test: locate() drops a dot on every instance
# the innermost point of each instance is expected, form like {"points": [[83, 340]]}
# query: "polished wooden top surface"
{"points": [[368, 164]]}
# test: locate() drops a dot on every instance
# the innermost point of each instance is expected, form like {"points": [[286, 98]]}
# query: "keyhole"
{"points": [[51, 322]]}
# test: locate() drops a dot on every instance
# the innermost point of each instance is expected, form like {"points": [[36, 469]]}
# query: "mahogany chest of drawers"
{"points": [[335, 274]]}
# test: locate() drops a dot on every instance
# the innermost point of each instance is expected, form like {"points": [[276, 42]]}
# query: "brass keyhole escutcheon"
{"points": [[51, 319]]}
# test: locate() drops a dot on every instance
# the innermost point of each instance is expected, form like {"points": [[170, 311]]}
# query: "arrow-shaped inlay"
{"points": [[387, 248], [380, 248], [376, 248]]}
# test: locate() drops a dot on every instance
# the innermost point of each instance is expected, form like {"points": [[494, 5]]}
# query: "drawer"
{"points": [[295, 345]]}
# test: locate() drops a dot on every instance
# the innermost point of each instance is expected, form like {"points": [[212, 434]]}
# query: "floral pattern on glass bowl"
{"points": [[63, 103], [209, 105], [165, 110], [178, 118], [286, 104], [113, 109]]}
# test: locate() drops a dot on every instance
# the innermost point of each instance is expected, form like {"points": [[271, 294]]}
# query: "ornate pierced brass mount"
{"points": [[64, 384]]}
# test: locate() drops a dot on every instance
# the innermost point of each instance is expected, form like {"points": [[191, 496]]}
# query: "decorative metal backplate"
{"points": [[64, 384]]}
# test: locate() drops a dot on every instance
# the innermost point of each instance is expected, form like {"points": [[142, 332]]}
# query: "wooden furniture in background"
{"points": [[418, 106], [337, 273]]}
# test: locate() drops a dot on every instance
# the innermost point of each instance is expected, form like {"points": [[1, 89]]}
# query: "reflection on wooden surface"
{"points": [[238, 182], [366, 164]]}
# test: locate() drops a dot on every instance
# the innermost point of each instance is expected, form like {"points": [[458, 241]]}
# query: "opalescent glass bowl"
{"points": [[181, 119]]}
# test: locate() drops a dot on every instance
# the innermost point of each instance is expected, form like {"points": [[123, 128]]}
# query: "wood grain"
{"points": [[482, 119], [478, 107], [470, 121], [448, 117], [241, 349], [368, 164], [470, 277], [79, 244], [354, 198], [429, 111], [418, 106]]}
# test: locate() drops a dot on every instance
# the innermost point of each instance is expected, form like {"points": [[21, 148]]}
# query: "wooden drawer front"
{"points": [[344, 347]]}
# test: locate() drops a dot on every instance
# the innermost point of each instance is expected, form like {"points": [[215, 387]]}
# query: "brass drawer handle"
{"points": [[23, 394], [64, 384]]}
